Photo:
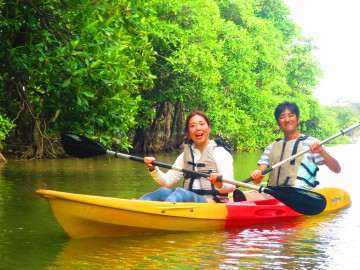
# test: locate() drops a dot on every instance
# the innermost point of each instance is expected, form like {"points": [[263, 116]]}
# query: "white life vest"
{"points": [[206, 164]]}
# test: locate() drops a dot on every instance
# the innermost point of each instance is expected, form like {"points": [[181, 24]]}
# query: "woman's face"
{"points": [[199, 130]]}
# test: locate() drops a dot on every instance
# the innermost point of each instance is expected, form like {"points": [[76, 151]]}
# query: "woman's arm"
{"points": [[169, 178], [224, 162]]}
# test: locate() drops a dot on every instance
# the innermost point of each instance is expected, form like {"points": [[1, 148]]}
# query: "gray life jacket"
{"points": [[206, 164], [298, 169]]}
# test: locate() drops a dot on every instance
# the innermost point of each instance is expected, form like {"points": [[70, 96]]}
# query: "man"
{"points": [[300, 172]]}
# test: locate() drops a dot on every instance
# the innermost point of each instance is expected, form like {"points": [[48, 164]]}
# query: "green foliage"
{"points": [[106, 64], [5, 127], [345, 117], [126, 72], [79, 63]]}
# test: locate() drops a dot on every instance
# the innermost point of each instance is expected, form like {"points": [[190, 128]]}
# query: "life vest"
{"points": [[206, 164], [298, 172]]}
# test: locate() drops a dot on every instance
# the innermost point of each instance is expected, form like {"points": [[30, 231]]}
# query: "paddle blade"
{"points": [[303, 201], [81, 147]]}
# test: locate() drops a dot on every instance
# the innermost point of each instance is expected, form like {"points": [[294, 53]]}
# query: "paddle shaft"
{"points": [[342, 132], [159, 164], [303, 201], [180, 169]]}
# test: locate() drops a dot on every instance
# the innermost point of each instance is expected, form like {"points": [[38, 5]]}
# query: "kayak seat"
{"points": [[238, 195]]}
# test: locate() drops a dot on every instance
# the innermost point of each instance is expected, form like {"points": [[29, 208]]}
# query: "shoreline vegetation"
{"points": [[16, 152], [127, 73]]}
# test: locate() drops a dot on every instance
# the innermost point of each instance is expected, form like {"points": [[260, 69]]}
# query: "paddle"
{"points": [[342, 132], [303, 201]]}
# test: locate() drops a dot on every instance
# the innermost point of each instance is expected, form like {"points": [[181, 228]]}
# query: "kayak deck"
{"points": [[85, 216]]}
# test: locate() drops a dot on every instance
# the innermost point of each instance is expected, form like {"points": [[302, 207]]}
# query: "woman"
{"points": [[201, 154]]}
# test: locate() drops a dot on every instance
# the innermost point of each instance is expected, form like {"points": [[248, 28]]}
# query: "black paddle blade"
{"points": [[303, 201], [81, 147]]}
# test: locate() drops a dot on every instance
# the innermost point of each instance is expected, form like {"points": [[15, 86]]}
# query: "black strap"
{"points": [[213, 191], [281, 158], [193, 168], [208, 192], [221, 143], [301, 138], [196, 164], [287, 180], [308, 170], [308, 182], [313, 174]]}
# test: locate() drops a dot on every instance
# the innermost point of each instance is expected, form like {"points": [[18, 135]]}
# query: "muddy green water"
{"points": [[30, 237]]}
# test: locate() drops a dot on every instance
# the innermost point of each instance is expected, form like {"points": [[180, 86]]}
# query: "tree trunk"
{"points": [[30, 132], [2, 158], [168, 125], [165, 132], [42, 145]]}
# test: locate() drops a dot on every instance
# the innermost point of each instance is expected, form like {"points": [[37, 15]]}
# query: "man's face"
{"points": [[288, 121]]}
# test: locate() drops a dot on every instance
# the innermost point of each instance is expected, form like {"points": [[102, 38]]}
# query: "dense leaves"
{"points": [[74, 65], [128, 72]]}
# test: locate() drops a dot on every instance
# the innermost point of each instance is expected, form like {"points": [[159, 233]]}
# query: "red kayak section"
{"points": [[256, 212]]}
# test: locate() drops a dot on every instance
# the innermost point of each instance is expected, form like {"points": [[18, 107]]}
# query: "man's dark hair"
{"points": [[286, 105]]}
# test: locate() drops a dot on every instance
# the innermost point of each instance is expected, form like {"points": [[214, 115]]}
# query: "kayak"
{"points": [[88, 216]]}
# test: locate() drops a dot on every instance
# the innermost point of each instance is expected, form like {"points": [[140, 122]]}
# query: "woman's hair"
{"points": [[286, 105], [193, 113]]}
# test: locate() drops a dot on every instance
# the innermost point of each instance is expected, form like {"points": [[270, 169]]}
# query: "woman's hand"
{"points": [[212, 178], [148, 161]]}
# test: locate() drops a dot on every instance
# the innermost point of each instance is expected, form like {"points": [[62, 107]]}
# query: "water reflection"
{"points": [[276, 245], [30, 237]]}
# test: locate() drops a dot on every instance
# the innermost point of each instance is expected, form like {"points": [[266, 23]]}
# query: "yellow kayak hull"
{"points": [[86, 216]]}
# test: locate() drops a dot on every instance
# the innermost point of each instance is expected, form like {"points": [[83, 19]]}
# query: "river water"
{"points": [[30, 237]]}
